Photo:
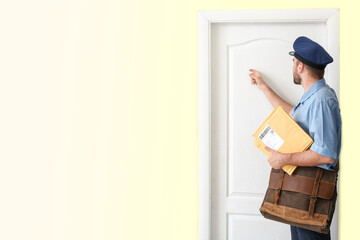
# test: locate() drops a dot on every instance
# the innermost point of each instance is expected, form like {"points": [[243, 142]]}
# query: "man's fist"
{"points": [[256, 79]]}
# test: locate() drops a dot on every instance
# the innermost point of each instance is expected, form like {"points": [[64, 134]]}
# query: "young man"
{"points": [[317, 113]]}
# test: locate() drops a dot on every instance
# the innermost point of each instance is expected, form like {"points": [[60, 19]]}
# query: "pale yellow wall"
{"points": [[99, 124]]}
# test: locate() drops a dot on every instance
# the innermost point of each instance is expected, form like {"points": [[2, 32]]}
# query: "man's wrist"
{"points": [[264, 87], [288, 159]]}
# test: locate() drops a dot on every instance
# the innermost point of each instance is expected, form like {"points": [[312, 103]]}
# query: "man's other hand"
{"points": [[276, 159]]}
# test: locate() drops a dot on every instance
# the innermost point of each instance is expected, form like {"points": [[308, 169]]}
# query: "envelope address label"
{"points": [[270, 138]]}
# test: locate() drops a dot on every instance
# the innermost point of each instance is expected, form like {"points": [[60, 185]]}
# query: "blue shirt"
{"points": [[319, 115]]}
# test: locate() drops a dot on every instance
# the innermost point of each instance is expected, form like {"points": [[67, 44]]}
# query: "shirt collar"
{"points": [[313, 89]]}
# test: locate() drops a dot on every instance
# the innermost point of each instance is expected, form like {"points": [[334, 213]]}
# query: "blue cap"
{"points": [[310, 53]]}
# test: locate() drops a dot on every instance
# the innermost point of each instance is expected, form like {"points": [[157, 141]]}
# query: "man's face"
{"points": [[296, 75]]}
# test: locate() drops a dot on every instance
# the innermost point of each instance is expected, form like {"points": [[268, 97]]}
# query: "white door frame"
{"points": [[205, 18]]}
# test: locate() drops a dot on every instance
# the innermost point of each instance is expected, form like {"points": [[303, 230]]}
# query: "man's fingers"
{"points": [[253, 81], [253, 76], [268, 149]]}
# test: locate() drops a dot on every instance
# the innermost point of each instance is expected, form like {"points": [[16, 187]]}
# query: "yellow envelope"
{"points": [[280, 132]]}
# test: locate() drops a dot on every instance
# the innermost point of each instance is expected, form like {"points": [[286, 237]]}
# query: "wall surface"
{"points": [[99, 124]]}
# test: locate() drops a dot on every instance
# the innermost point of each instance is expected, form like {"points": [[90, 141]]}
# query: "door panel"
{"points": [[239, 170]]}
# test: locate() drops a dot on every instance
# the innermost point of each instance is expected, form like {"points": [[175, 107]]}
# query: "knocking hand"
{"points": [[256, 79]]}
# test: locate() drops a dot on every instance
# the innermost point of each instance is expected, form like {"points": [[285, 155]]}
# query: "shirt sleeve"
{"points": [[323, 129]]}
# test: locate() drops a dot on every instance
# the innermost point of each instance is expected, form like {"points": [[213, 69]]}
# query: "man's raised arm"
{"points": [[273, 98]]}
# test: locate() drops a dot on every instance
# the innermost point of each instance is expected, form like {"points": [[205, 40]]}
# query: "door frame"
{"points": [[205, 19]]}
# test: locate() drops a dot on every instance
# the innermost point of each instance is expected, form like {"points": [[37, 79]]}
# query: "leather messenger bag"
{"points": [[304, 199]]}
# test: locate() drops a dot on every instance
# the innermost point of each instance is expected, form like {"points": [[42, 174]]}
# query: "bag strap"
{"points": [[277, 191], [315, 191]]}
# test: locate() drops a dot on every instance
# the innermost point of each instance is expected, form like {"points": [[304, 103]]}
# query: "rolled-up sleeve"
{"points": [[323, 129]]}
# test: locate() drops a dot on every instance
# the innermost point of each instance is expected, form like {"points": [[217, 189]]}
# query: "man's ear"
{"points": [[301, 67]]}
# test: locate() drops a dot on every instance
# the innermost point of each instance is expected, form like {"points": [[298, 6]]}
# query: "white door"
{"points": [[239, 171]]}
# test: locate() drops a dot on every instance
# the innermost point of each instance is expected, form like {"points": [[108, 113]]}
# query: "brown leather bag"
{"points": [[304, 199]]}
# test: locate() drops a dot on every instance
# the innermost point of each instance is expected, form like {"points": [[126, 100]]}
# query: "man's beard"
{"points": [[297, 78]]}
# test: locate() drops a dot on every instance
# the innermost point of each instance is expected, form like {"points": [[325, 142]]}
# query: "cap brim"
{"points": [[292, 53]]}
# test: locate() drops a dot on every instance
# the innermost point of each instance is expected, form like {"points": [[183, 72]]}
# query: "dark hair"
{"points": [[315, 73]]}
